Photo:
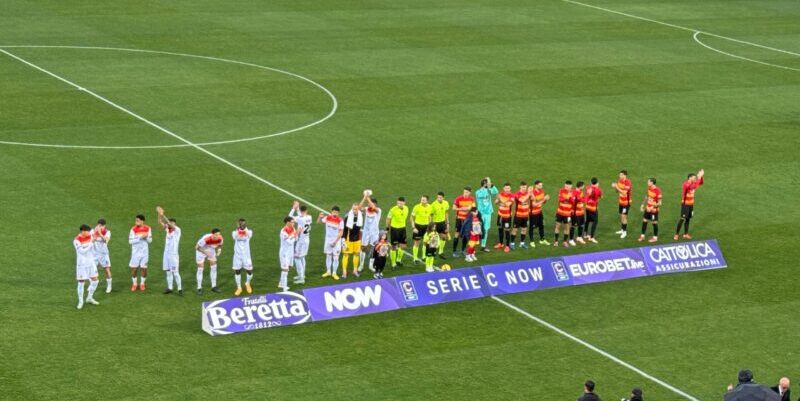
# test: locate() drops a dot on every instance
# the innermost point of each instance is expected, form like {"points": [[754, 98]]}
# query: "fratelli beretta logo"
{"points": [[236, 315]]}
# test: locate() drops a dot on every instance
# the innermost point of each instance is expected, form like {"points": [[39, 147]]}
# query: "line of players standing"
{"points": [[357, 235]]}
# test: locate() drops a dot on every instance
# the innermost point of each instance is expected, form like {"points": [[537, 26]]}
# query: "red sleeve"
{"points": [[700, 182]]}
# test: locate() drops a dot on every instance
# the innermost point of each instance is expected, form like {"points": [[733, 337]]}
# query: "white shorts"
{"points": [[85, 271], [370, 237], [201, 257], [170, 262], [102, 259], [301, 249], [286, 259], [139, 259], [242, 262], [335, 249]]}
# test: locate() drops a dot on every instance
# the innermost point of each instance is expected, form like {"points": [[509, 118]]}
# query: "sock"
{"points": [[92, 287], [441, 246], [522, 237], [298, 266], [484, 237], [371, 263], [470, 250], [541, 233], [508, 238], [464, 243], [177, 275], [644, 228], [108, 282], [361, 257], [142, 279], [399, 255], [429, 262], [169, 279], [356, 259], [580, 231], [455, 244], [594, 227], [284, 276], [566, 237], [655, 229], [415, 251], [329, 263], [500, 234], [686, 226], [513, 237], [334, 262], [133, 279], [80, 291], [199, 278], [249, 278], [237, 277], [571, 232], [213, 276], [625, 227], [678, 228], [556, 237], [345, 261]]}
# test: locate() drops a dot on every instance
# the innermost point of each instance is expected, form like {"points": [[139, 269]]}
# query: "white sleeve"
{"points": [[249, 233], [108, 236], [149, 236], [293, 213], [132, 238], [234, 235], [82, 249]]}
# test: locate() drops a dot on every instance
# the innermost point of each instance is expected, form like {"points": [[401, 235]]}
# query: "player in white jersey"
{"points": [[100, 237], [334, 227], [241, 256], [288, 236], [371, 231], [171, 261], [208, 247], [303, 222], [85, 267], [140, 238]]}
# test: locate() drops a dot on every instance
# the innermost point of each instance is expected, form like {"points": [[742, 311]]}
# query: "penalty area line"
{"points": [[596, 349]]}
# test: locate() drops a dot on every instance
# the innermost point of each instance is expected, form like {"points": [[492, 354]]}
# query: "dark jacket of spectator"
{"points": [[751, 392], [589, 397], [787, 396]]}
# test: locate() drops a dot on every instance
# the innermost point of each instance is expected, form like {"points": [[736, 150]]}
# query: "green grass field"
{"points": [[431, 96]]}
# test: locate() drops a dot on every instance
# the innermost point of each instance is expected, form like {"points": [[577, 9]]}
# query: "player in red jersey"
{"points": [[687, 203], [504, 201], [650, 207], [564, 212], [538, 199], [623, 188], [462, 205], [578, 214], [593, 195], [522, 214]]}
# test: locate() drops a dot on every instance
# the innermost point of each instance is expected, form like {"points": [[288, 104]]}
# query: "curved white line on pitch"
{"points": [[696, 39], [334, 101]]}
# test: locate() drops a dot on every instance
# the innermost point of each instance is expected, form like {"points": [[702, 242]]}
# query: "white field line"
{"points": [[598, 350], [696, 39], [334, 101], [608, 10], [294, 196]]}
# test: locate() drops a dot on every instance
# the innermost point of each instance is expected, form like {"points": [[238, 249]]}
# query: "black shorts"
{"points": [[380, 262], [441, 227], [562, 219], [687, 211], [504, 222], [520, 222], [397, 235], [431, 251], [591, 216], [651, 216], [459, 224], [537, 220], [624, 209], [421, 229], [578, 220]]}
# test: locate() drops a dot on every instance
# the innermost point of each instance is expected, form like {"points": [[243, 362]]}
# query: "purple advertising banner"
{"points": [[526, 275], [443, 286], [236, 315], [353, 299], [685, 256], [599, 267]]}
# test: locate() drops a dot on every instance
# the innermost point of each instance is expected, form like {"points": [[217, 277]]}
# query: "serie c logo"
{"points": [[409, 292]]}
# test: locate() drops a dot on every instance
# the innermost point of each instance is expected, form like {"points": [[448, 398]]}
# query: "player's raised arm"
{"points": [[295, 210]]}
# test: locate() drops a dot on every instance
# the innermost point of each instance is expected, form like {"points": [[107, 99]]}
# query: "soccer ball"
{"points": [[445, 268], [367, 192]]}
